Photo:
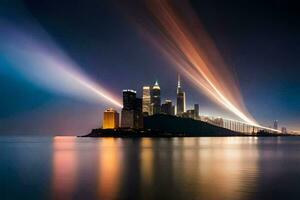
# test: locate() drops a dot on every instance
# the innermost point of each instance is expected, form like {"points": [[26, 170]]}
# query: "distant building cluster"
{"points": [[134, 109], [233, 125]]}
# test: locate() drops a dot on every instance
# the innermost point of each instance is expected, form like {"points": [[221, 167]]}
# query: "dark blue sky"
{"points": [[259, 39]]}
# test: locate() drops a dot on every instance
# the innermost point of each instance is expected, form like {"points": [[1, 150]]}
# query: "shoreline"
{"points": [[131, 133]]}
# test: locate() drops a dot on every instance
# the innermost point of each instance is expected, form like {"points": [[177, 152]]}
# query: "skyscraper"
{"points": [[127, 118], [156, 98], [147, 100], [138, 114], [167, 108], [275, 125], [131, 116], [180, 99], [128, 111], [110, 119], [129, 97], [196, 108]]}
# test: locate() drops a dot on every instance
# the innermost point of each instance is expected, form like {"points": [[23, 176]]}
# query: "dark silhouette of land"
{"points": [[184, 126], [161, 125], [166, 126]]}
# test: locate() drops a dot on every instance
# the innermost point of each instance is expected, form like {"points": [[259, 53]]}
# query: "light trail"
{"points": [[186, 44], [35, 56]]}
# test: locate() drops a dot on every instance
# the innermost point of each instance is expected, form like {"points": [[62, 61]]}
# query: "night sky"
{"points": [[260, 40]]}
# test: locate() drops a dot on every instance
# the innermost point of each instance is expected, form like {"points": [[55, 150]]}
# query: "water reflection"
{"points": [[198, 167], [176, 168], [150, 168], [109, 166], [146, 161], [229, 166], [65, 167]]}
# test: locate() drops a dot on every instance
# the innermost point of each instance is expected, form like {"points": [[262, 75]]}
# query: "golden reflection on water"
{"points": [[222, 168], [65, 167], [146, 161], [208, 168], [109, 168]]}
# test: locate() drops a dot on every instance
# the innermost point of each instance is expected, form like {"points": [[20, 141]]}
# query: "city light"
{"points": [[36, 57], [195, 55]]}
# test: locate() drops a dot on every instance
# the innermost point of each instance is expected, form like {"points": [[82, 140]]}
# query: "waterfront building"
{"points": [[275, 126], [284, 130], [156, 101], [127, 118], [219, 122], [196, 108], [131, 115], [110, 119], [167, 108], [147, 100], [128, 111], [129, 97], [180, 99], [138, 113], [190, 114]]}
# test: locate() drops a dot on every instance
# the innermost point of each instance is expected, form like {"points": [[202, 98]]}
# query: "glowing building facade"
{"points": [[147, 100], [155, 98], [180, 99], [275, 125], [110, 119]]}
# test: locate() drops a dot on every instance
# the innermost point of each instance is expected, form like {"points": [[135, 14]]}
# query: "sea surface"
{"points": [[149, 168]]}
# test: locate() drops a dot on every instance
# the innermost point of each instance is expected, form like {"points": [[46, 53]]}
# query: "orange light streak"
{"points": [[193, 53]]}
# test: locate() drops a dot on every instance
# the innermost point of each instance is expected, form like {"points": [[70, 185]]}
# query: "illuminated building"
{"points": [[283, 130], [110, 119], [218, 122], [129, 97], [131, 116], [196, 108], [180, 99], [275, 125], [147, 100], [127, 115], [156, 98], [127, 119], [167, 108], [189, 114]]}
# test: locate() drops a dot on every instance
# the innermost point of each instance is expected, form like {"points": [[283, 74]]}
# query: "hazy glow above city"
{"points": [[188, 46]]}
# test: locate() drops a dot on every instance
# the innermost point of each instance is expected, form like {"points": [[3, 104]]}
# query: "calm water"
{"points": [[177, 168]]}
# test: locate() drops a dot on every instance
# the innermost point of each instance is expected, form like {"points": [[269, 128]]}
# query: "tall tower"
{"points": [[128, 111], [131, 115], [167, 108], [147, 100], [196, 108], [155, 98], [180, 99], [275, 125]]}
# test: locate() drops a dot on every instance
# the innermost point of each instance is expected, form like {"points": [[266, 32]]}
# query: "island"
{"points": [[162, 125]]}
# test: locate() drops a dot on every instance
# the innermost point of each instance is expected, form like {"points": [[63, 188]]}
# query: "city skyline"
{"points": [[88, 38], [138, 106], [149, 99]]}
